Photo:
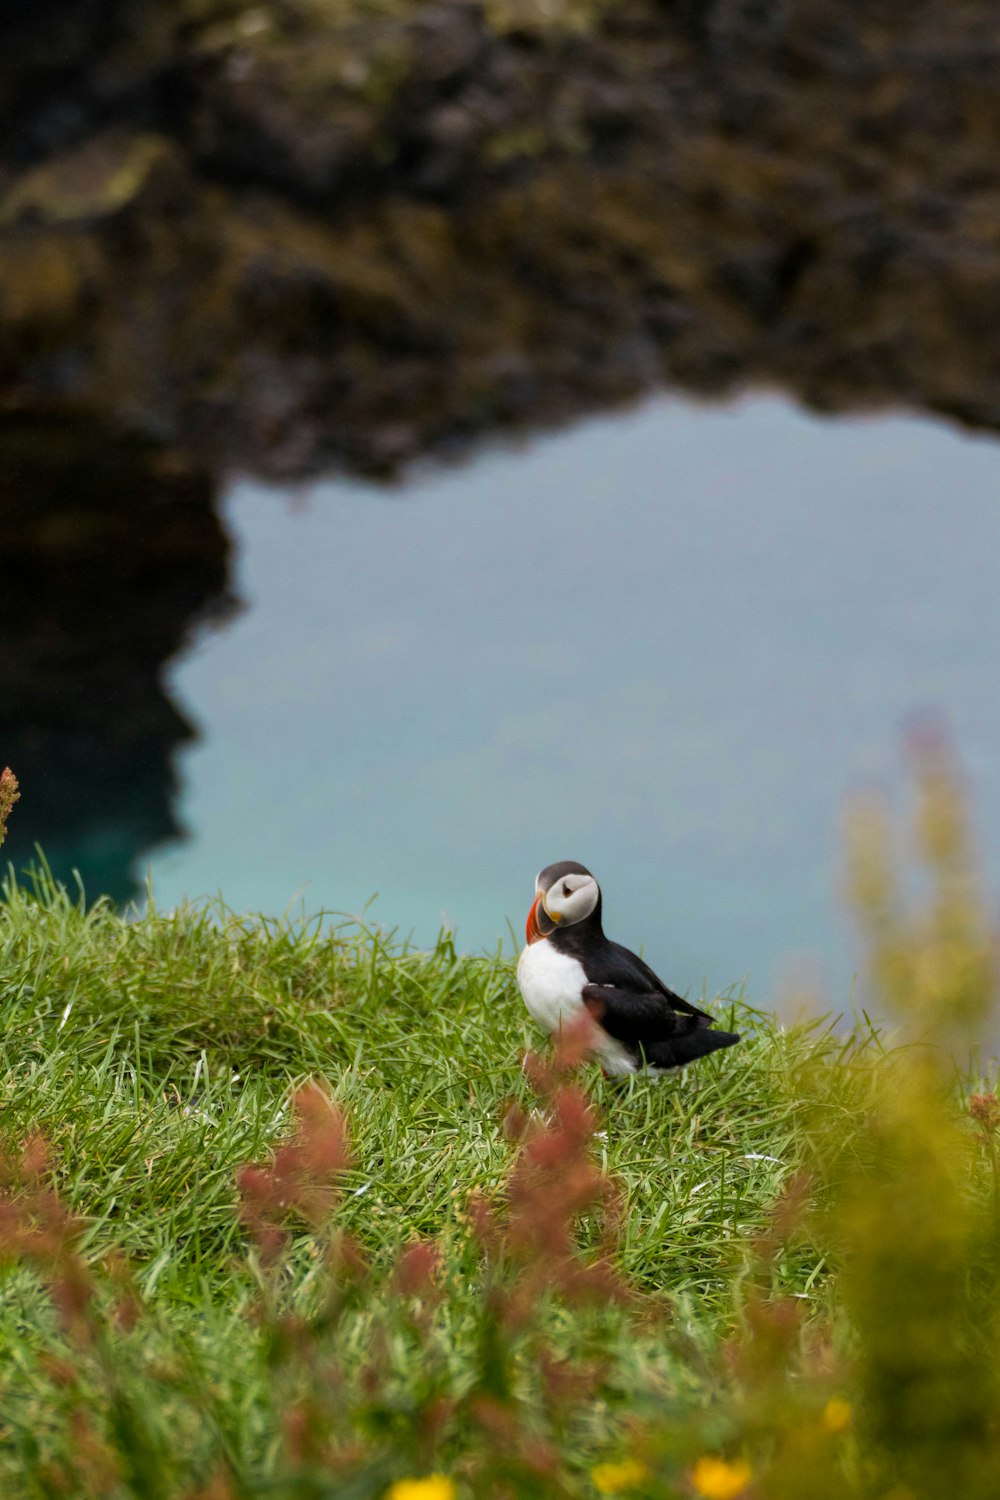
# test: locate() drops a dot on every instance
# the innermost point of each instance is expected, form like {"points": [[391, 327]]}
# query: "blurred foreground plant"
{"points": [[915, 1231], [896, 1395]]}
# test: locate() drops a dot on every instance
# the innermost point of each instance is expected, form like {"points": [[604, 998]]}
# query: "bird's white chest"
{"points": [[551, 984]]}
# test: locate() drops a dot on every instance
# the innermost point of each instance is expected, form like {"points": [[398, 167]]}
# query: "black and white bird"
{"points": [[569, 968]]}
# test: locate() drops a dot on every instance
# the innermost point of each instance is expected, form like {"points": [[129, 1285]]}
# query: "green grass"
{"points": [[157, 1056], [773, 1275]]}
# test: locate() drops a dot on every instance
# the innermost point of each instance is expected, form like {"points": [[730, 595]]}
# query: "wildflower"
{"points": [[718, 1480], [985, 1110], [615, 1479], [837, 1414], [416, 1269], [9, 794], [434, 1487], [301, 1174]]}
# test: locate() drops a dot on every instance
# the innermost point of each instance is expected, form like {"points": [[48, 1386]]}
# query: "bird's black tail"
{"points": [[679, 1050]]}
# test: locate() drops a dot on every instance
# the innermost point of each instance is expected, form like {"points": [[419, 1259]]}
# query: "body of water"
{"points": [[666, 643]]}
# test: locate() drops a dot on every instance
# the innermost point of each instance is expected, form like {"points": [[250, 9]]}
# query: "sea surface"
{"points": [[668, 643]]}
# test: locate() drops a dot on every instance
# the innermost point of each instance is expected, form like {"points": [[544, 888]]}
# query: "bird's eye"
{"points": [[567, 891]]}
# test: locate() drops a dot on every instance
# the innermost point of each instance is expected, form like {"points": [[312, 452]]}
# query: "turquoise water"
{"points": [[667, 644]]}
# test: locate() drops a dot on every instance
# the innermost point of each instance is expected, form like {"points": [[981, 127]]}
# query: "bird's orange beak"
{"points": [[532, 930]]}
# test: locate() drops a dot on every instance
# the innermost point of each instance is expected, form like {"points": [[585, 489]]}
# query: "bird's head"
{"points": [[565, 893]]}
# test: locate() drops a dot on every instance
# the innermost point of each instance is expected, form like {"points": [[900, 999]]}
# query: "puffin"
{"points": [[568, 968]]}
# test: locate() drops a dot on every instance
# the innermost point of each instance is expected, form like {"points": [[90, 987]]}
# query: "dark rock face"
{"points": [[112, 554], [326, 234], [316, 235]]}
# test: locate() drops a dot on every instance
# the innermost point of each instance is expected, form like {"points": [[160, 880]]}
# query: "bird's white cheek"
{"points": [[572, 908]]}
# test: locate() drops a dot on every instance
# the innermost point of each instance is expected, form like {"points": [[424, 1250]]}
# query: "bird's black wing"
{"points": [[635, 1017], [627, 970], [647, 1027]]}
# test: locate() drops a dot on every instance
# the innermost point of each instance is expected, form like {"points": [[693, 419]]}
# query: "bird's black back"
{"points": [[605, 962]]}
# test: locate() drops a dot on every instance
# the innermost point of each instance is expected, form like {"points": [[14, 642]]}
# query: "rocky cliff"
{"points": [[306, 235], [112, 555], [343, 233]]}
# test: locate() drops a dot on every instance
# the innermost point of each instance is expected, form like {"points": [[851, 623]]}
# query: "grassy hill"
{"points": [[772, 1275]]}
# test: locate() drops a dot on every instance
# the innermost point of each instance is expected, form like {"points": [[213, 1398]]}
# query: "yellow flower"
{"points": [[614, 1479], [434, 1487], [837, 1414], [718, 1480]]}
